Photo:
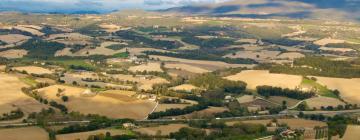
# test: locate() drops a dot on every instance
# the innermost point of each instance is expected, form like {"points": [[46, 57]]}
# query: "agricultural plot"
{"points": [[33, 70], [325, 41], [290, 55], [151, 66], [85, 135], [2, 67], [210, 65], [311, 85], [70, 78], [164, 107], [110, 28], [163, 129], [186, 67], [352, 132], [109, 103], [318, 102], [70, 38], [184, 87], [29, 29], [11, 96], [349, 88], [26, 133], [13, 38], [143, 81], [279, 100], [292, 123], [262, 55], [255, 78], [203, 113], [13, 54]]}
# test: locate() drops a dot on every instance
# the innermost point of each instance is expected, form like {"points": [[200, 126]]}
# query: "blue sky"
{"points": [[93, 5]]}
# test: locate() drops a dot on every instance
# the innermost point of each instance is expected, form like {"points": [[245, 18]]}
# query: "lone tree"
{"points": [[65, 98]]}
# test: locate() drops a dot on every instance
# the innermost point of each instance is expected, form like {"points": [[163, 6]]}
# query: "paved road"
{"points": [[285, 113], [50, 123], [294, 112], [228, 118]]}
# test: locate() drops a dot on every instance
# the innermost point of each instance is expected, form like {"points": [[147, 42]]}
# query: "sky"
{"points": [[93, 5]]}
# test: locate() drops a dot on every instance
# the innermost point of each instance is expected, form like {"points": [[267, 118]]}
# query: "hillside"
{"points": [[318, 9]]}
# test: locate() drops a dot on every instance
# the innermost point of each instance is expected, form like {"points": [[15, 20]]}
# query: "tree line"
{"points": [[268, 91]]}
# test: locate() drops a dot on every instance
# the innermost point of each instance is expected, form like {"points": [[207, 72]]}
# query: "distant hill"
{"points": [[314, 9]]}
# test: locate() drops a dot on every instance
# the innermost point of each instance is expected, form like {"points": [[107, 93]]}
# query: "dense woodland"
{"points": [[268, 91], [318, 66], [160, 44]]}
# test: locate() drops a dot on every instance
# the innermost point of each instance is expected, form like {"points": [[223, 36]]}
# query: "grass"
{"points": [[322, 90], [29, 81], [121, 55], [73, 62]]}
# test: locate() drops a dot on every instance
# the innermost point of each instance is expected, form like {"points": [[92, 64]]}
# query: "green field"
{"points": [[322, 90], [29, 81]]}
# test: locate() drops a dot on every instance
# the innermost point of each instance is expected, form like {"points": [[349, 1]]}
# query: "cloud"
{"points": [[179, 2], [97, 5]]}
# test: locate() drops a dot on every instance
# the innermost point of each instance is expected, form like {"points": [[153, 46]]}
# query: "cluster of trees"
{"points": [[38, 48], [81, 67], [211, 81], [208, 43], [108, 136], [15, 114], [116, 46], [319, 66], [96, 123], [170, 101], [76, 48], [160, 44], [283, 41], [178, 111], [61, 107], [337, 124], [268, 91], [340, 107], [2, 43], [221, 131]]}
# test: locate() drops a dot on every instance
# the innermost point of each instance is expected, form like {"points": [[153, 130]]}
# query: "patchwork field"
{"points": [[33, 70], [319, 102], [203, 113], [290, 55], [186, 67], [184, 87], [164, 107], [279, 100], [349, 88], [210, 65], [11, 96], [114, 104], [26, 133], [325, 41], [151, 66], [13, 38], [70, 38], [256, 55], [29, 29], [85, 135], [69, 78], [13, 54], [164, 129], [110, 27], [292, 123], [256, 78], [145, 82]]}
